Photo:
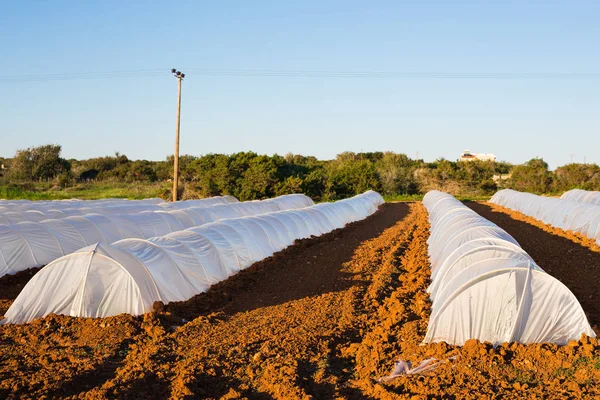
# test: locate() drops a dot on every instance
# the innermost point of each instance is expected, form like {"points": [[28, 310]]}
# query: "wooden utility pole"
{"points": [[179, 75]]}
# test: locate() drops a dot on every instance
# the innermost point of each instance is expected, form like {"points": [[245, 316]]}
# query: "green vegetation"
{"points": [[40, 173], [86, 191]]}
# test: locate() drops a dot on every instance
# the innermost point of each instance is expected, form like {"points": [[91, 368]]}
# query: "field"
{"points": [[84, 191], [325, 318], [139, 190]]}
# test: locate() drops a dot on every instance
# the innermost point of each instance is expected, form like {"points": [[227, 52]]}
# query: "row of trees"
{"points": [[248, 175]]}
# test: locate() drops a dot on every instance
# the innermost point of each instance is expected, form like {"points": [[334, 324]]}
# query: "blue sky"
{"points": [[516, 119]]}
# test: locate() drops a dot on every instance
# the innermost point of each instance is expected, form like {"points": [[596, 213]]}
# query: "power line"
{"points": [[306, 74], [401, 75], [80, 76]]}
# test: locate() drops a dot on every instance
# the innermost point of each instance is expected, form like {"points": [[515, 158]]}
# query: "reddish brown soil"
{"points": [[11, 286], [556, 251], [312, 267], [323, 319]]}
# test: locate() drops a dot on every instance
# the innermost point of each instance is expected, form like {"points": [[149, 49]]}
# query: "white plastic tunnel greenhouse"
{"points": [[12, 213], [70, 203], [130, 275], [175, 205], [582, 196], [485, 286], [580, 217], [34, 244], [73, 205]]}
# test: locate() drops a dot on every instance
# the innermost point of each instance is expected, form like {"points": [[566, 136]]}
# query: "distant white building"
{"points": [[468, 156]]}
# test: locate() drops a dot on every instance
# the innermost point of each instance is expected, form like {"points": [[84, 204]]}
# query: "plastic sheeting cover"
{"points": [[485, 286], [33, 244], [130, 275], [582, 196], [571, 212], [12, 212]]}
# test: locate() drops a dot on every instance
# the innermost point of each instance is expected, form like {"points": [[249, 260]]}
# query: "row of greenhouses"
{"points": [[77, 207], [75, 202], [11, 213], [34, 244], [128, 276], [485, 286], [570, 213], [582, 196]]}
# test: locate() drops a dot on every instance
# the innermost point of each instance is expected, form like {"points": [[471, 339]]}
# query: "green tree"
{"points": [[314, 184], [291, 184], [141, 171], [259, 179], [582, 176], [533, 176], [38, 163], [396, 174], [350, 174]]}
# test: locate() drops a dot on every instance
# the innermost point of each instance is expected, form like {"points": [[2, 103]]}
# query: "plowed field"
{"points": [[325, 318]]}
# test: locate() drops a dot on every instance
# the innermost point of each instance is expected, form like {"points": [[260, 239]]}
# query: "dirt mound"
{"points": [[323, 319]]}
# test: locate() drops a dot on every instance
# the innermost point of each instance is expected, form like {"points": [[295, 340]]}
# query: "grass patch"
{"points": [[88, 191], [403, 197], [136, 191]]}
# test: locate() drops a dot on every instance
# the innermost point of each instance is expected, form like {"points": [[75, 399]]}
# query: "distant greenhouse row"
{"points": [[582, 196], [574, 211], [12, 212], [34, 244], [130, 275]]}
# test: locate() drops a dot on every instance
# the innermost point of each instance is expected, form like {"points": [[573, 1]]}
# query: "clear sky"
{"points": [[516, 117]]}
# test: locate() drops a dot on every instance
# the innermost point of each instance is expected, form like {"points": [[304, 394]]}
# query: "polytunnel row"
{"points": [[130, 275], [582, 196], [581, 217], [75, 202], [34, 244], [485, 286], [76, 207], [12, 214]]}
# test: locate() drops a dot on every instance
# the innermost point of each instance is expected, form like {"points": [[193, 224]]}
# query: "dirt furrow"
{"points": [[297, 349]]}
